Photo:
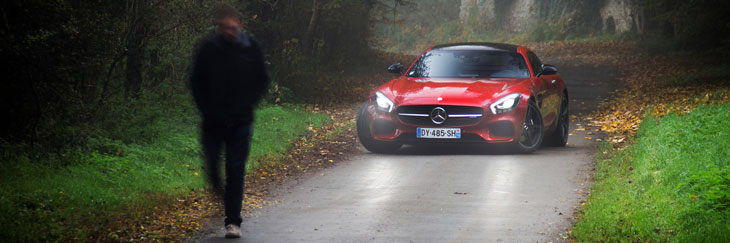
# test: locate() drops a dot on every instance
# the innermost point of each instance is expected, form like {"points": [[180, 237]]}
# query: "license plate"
{"points": [[449, 133]]}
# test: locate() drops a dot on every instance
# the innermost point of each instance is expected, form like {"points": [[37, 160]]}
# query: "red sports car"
{"points": [[468, 92]]}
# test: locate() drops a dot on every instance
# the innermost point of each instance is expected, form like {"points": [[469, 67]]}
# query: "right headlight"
{"points": [[382, 102], [505, 104]]}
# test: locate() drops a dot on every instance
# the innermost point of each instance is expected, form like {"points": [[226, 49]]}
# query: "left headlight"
{"points": [[382, 102], [505, 104]]}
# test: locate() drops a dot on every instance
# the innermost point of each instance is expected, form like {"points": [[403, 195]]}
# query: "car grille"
{"points": [[457, 115]]}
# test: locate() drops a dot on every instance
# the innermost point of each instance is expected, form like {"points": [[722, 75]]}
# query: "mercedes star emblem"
{"points": [[438, 115]]}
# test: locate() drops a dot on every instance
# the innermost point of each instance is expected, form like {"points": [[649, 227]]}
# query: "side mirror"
{"points": [[548, 69], [396, 68]]}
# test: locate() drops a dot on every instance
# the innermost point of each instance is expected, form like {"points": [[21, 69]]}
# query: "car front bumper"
{"points": [[490, 128]]}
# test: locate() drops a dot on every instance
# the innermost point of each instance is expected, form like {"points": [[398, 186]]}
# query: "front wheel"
{"points": [[366, 138], [532, 130]]}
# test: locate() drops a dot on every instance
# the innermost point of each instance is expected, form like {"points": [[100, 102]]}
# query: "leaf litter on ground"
{"points": [[652, 85]]}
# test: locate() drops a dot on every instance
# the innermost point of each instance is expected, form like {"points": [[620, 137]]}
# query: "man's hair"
{"points": [[226, 11]]}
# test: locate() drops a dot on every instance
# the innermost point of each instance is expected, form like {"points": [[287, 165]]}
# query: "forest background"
{"points": [[98, 89]]}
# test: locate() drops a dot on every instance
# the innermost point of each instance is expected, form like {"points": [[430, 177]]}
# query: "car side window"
{"points": [[535, 62]]}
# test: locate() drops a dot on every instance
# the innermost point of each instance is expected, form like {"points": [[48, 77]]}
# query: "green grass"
{"points": [[61, 203], [673, 184], [340, 130], [275, 130]]}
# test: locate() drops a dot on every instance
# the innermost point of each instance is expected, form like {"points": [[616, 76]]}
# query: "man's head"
{"points": [[228, 20]]}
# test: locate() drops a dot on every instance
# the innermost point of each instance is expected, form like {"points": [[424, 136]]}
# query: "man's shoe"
{"points": [[233, 231]]}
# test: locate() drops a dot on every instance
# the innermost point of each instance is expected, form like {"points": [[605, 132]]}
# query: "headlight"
{"points": [[505, 104], [383, 102]]}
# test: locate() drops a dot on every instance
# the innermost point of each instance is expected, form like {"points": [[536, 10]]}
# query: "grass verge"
{"points": [[671, 184], [39, 202], [276, 128]]}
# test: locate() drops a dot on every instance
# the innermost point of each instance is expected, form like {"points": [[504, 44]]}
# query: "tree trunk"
{"points": [[639, 20], [133, 81], [135, 50], [309, 36]]}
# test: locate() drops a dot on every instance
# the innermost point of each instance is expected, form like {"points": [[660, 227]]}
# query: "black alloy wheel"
{"points": [[366, 137], [532, 130]]}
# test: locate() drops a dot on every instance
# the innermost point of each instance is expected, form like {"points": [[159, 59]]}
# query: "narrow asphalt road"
{"points": [[449, 193]]}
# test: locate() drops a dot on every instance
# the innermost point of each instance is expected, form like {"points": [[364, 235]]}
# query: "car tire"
{"points": [[366, 138], [559, 138], [532, 130]]}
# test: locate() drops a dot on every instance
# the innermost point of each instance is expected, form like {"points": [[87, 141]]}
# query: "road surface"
{"points": [[447, 193]]}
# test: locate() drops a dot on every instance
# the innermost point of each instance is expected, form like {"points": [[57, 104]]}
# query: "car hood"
{"points": [[412, 91]]}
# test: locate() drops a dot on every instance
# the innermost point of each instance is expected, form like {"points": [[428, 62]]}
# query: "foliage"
{"points": [[305, 61], [406, 26], [79, 68], [94, 185], [671, 185], [80, 199], [70, 61], [688, 25]]}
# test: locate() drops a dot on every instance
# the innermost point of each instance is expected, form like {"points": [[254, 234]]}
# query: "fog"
{"points": [[410, 25]]}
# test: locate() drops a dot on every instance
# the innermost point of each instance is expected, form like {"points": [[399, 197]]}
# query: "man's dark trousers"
{"points": [[236, 138]]}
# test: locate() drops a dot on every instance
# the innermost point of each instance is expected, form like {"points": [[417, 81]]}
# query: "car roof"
{"points": [[486, 46]]}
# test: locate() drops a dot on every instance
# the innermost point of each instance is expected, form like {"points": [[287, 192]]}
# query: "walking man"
{"points": [[227, 81]]}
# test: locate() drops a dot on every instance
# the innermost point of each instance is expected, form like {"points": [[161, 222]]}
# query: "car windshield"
{"points": [[470, 64]]}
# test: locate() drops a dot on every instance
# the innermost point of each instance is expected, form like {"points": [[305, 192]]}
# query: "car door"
{"points": [[548, 100]]}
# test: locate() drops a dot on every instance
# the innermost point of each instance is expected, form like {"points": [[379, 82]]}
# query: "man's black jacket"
{"points": [[228, 79]]}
